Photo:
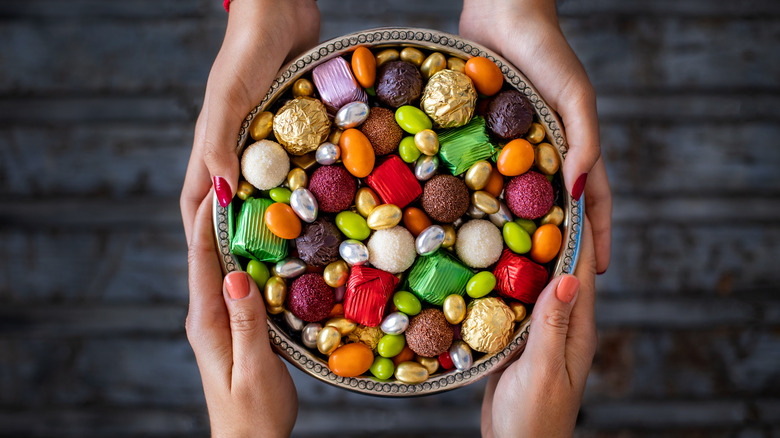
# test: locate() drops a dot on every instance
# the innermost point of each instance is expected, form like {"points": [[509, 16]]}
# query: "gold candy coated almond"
{"points": [[384, 216], [478, 175], [343, 325], [454, 309], [328, 340], [302, 87], [366, 201], [336, 273], [456, 64], [546, 159], [519, 310], [335, 136], [262, 125], [430, 363], [449, 236], [485, 201], [274, 310], [434, 63], [296, 179], [554, 216], [427, 142], [245, 190], [275, 291], [386, 55], [412, 56], [411, 372], [535, 133]]}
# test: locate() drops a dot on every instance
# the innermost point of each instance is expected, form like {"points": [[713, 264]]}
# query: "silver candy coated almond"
{"points": [[395, 323], [327, 153], [351, 115], [304, 204], [426, 166], [290, 268], [309, 334], [353, 252], [460, 353], [430, 239]]}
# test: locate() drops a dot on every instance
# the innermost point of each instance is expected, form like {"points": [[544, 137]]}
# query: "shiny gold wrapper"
{"points": [[449, 99], [488, 325], [367, 335], [301, 125]]}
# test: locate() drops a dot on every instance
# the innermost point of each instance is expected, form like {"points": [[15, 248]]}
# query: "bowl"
{"points": [[282, 339]]}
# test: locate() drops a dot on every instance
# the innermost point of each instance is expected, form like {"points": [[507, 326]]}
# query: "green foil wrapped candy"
{"points": [[252, 238], [459, 148], [434, 277]]}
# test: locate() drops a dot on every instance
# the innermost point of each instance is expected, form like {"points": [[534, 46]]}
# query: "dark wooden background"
{"points": [[97, 105]]}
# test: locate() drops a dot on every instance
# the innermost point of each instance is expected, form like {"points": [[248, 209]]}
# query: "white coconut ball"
{"points": [[479, 243], [265, 164], [392, 249]]}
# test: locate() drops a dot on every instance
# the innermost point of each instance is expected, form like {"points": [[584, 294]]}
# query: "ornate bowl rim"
{"points": [[452, 45]]}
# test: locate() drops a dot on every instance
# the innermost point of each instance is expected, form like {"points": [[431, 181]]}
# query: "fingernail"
{"points": [[567, 288], [601, 273], [579, 186], [237, 285], [222, 189]]}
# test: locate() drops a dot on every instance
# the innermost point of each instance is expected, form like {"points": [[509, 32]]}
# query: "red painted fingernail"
{"points": [[237, 285], [567, 288], [222, 189], [579, 186], [601, 273]]}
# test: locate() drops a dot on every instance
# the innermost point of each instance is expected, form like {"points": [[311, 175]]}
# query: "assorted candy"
{"points": [[405, 205]]}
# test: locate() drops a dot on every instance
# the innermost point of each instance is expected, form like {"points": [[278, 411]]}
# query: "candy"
{"points": [[252, 238], [516, 238], [449, 236], [392, 249], [333, 187], [546, 159], [529, 195], [398, 83], [366, 200], [407, 149], [412, 56], [433, 64], [554, 216], [351, 115], [382, 131], [478, 175], [328, 153], [289, 268], [411, 373], [434, 277], [429, 333], [528, 225], [509, 115], [336, 84], [295, 323], [479, 243], [427, 142], [546, 243], [351, 360], [535, 133], [474, 212], [245, 190], [364, 67], [301, 125], [366, 335], [328, 340], [425, 167], [390, 345], [412, 119], [519, 310], [368, 291], [395, 323], [519, 278], [310, 298], [415, 220], [353, 252], [430, 240], [502, 216], [487, 327], [384, 216], [456, 64], [386, 56], [430, 363], [259, 272], [319, 243], [261, 125], [275, 292], [485, 202], [407, 303], [486, 75], [343, 325], [461, 147], [310, 333], [356, 153], [515, 158], [280, 194], [352, 225], [454, 309], [481, 284], [264, 164], [460, 355], [297, 179], [382, 368], [282, 221], [446, 361], [449, 99], [305, 161], [495, 184], [336, 274], [394, 182], [304, 204], [445, 198], [302, 87]]}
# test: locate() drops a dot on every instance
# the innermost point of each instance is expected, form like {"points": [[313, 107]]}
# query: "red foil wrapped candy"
{"points": [[519, 278], [394, 182], [368, 291]]}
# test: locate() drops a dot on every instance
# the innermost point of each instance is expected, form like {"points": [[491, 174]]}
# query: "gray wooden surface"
{"points": [[97, 105]]}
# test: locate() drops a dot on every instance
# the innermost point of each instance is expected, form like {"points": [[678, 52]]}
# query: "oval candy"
{"points": [[357, 154], [364, 67], [353, 225], [485, 74]]}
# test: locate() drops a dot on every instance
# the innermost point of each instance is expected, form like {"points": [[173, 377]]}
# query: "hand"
{"points": [[526, 33], [260, 35], [539, 394], [249, 391]]}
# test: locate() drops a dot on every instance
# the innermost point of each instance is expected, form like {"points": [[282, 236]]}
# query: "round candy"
{"points": [[304, 204], [390, 345], [407, 302], [546, 159], [529, 195], [357, 154], [411, 119], [275, 291], [398, 83], [404, 356], [265, 164], [515, 158], [327, 154], [509, 115], [310, 333], [289, 268], [351, 360], [259, 272], [352, 225], [386, 56], [328, 340], [310, 298], [486, 75], [479, 243], [429, 334], [261, 125], [481, 284], [415, 220], [528, 225], [319, 243], [297, 179], [395, 323], [336, 274], [382, 368], [478, 175], [364, 67], [488, 325], [516, 238], [546, 243], [535, 133], [301, 125], [408, 151], [445, 198], [392, 249], [302, 87], [333, 187], [382, 131], [427, 142], [449, 99], [282, 221]]}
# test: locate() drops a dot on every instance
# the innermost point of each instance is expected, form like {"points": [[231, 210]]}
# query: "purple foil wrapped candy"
{"points": [[336, 85]]}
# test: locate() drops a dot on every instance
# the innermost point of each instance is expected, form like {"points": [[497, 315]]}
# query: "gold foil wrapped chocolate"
{"points": [[449, 99], [367, 335], [301, 125], [488, 325]]}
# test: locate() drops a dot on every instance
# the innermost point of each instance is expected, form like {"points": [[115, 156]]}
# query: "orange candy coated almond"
{"points": [[485, 74], [415, 220], [545, 243], [404, 356], [364, 67], [282, 221], [351, 360], [495, 184], [356, 153], [516, 158]]}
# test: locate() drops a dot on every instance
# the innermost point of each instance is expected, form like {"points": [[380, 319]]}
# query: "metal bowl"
{"points": [[286, 345]]}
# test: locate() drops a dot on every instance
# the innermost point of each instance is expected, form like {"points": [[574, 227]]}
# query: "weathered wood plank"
{"points": [[59, 111], [667, 415], [87, 9]]}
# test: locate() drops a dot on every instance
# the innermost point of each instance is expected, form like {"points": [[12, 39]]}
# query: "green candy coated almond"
{"points": [[528, 225], [408, 150], [382, 368], [353, 225], [481, 284], [516, 238], [412, 119], [259, 272], [391, 345], [407, 302], [280, 194]]}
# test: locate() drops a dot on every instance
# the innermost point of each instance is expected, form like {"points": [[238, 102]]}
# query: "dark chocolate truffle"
{"points": [[318, 245], [382, 131], [310, 298], [509, 115], [429, 334], [445, 198], [530, 195], [398, 83], [333, 187]]}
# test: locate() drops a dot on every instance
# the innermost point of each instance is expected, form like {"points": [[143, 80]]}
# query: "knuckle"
{"points": [[557, 320], [244, 320]]}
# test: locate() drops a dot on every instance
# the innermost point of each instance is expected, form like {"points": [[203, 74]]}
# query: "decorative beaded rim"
{"points": [[453, 45]]}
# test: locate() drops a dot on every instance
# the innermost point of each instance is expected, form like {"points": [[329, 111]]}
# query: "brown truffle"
{"points": [[382, 131], [509, 115], [429, 334], [398, 83], [445, 198]]}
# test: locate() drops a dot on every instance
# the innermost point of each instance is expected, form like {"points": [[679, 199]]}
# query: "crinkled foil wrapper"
{"points": [[488, 325], [449, 99], [301, 125], [367, 335], [436, 276], [461, 147], [368, 291], [252, 238]]}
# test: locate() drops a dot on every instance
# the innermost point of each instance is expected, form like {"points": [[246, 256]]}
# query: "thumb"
{"points": [[218, 146], [550, 320], [246, 312]]}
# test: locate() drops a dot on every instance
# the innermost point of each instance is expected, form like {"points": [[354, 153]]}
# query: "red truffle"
{"points": [[310, 298], [519, 278], [530, 195], [333, 187]]}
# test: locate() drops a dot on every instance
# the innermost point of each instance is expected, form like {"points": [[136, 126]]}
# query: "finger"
{"points": [[487, 404], [196, 186], [577, 108], [598, 207], [207, 320], [582, 339], [550, 322]]}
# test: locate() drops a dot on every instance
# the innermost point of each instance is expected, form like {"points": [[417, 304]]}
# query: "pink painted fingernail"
{"points": [[567, 288], [237, 285], [222, 189], [601, 273], [579, 186]]}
